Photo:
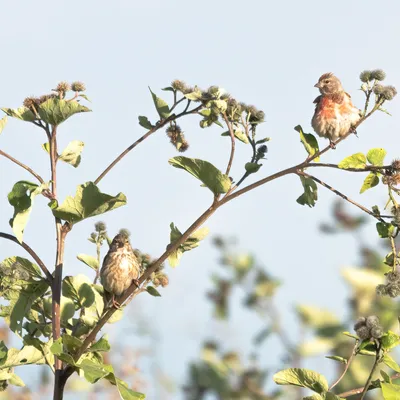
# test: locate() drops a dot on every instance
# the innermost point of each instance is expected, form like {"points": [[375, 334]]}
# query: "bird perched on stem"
{"points": [[335, 115], [120, 267]]}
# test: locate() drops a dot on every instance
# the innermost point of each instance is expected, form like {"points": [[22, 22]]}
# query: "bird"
{"points": [[335, 115], [120, 268]]}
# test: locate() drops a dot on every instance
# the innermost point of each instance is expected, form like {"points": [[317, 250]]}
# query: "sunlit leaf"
{"points": [[79, 289], [390, 391], [21, 113], [302, 377], [54, 111], [370, 181], [310, 195], [90, 261], [3, 123], [88, 202], [72, 153], [357, 160], [161, 106], [309, 141], [376, 156]]}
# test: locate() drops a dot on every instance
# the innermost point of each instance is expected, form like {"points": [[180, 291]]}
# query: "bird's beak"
{"points": [[317, 85]]}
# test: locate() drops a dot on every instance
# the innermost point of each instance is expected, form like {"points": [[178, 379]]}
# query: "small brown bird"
{"points": [[120, 267], [335, 114]]}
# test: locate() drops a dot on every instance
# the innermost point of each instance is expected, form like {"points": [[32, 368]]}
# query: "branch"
{"points": [[31, 171], [172, 117], [377, 361], [31, 253], [343, 196], [232, 135], [353, 353], [368, 168]]}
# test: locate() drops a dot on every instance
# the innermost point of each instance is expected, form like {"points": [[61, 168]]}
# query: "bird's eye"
{"points": [[326, 81]]}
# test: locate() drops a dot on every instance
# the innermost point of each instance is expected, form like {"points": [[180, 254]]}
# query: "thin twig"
{"points": [[343, 196], [377, 361], [353, 353], [30, 170], [232, 135], [367, 168], [31, 253], [141, 139]]}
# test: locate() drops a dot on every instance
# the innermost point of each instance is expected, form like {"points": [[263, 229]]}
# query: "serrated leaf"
{"points": [[161, 106], [384, 229], [310, 195], [309, 141], [376, 156], [357, 160], [211, 176], [388, 360], [79, 289], [390, 340], [192, 242], [90, 261], [143, 121], [21, 198], [72, 153], [54, 111], [153, 291], [302, 377], [3, 123], [88, 202], [21, 113], [370, 181], [390, 391]]}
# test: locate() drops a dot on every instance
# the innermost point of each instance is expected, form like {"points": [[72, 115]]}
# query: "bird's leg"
{"points": [[136, 283], [115, 303], [332, 145]]}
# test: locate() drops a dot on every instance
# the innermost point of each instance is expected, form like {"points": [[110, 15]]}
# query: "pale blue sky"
{"points": [[266, 53]]}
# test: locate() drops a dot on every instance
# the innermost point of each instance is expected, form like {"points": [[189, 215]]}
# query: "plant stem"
{"points": [[377, 361], [353, 353], [31, 171], [232, 135], [31, 253]]}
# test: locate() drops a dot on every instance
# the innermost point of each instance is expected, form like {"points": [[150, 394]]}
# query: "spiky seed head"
{"points": [[63, 87], [365, 76], [372, 321], [378, 74], [78, 86], [100, 226], [179, 85], [363, 332], [378, 89], [393, 290], [381, 290], [389, 92], [396, 164], [30, 102], [359, 323], [377, 332]]}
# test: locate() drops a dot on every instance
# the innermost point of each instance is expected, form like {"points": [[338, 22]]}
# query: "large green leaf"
{"points": [[390, 340], [191, 243], [388, 360], [302, 377], [309, 141], [3, 123], [376, 156], [384, 229], [27, 355], [54, 111], [370, 181], [357, 160], [79, 289], [21, 113], [310, 195], [15, 264], [211, 176], [161, 106], [88, 202], [12, 378], [72, 153], [21, 198], [390, 391], [90, 261]]}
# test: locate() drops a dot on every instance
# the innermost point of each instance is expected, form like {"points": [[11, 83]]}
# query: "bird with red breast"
{"points": [[335, 115]]}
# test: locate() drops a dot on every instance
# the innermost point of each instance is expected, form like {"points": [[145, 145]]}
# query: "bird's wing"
{"points": [[317, 100]]}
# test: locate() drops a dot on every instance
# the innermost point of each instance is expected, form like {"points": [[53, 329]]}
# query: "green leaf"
{"points": [[212, 177], [72, 153], [71, 343], [21, 113], [238, 134], [370, 181], [153, 291], [54, 111], [251, 168], [388, 360], [357, 160], [350, 335], [88, 202], [3, 123], [90, 261], [376, 156], [192, 242], [161, 106], [15, 263], [302, 377], [101, 345], [25, 356], [46, 147], [384, 229], [92, 371], [15, 380], [309, 141], [3, 352], [194, 96], [79, 289], [390, 340], [390, 391], [168, 89], [21, 198], [143, 121], [385, 376], [310, 195], [332, 396], [337, 358], [85, 97]]}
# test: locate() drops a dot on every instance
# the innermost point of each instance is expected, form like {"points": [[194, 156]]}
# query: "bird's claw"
{"points": [[332, 145], [115, 303]]}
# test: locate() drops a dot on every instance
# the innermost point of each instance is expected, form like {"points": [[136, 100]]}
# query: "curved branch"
{"points": [[31, 253], [30, 170], [145, 136], [232, 135]]}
